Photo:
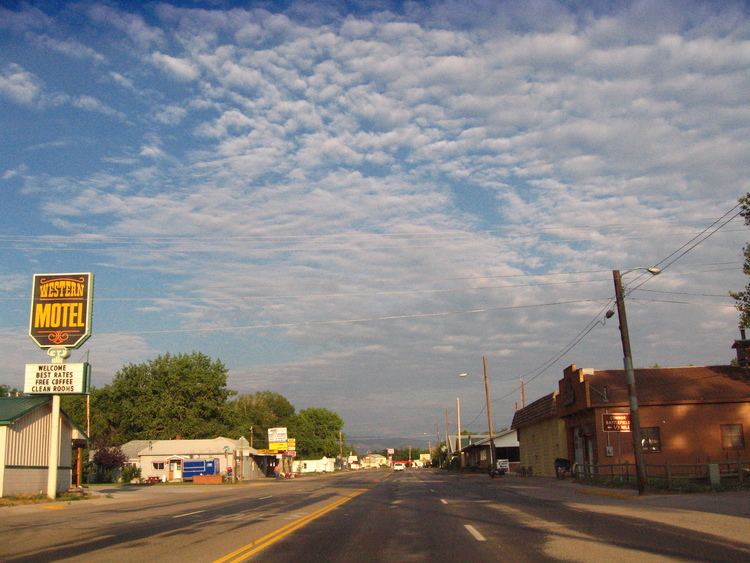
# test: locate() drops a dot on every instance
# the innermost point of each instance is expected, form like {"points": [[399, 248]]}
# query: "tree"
{"points": [[317, 432], [173, 395], [7, 391], [742, 298], [108, 462], [258, 412]]}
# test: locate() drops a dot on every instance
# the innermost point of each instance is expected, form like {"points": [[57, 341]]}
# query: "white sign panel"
{"points": [[56, 379], [277, 434]]}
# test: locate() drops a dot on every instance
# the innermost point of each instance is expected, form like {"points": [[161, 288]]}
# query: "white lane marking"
{"points": [[187, 514], [264, 498], [474, 532], [443, 501]]}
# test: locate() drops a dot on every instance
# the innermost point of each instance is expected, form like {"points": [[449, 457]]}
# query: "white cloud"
{"points": [[132, 25], [68, 47], [372, 200], [179, 68], [19, 85]]}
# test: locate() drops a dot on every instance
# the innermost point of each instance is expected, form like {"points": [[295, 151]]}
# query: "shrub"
{"points": [[129, 473]]}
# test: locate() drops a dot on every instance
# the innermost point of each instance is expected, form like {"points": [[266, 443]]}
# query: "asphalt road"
{"points": [[415, 515]]}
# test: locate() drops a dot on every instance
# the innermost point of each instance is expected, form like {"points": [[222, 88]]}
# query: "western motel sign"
{"points": [[61, 309]]}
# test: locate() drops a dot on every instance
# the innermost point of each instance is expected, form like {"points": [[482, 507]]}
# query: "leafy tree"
{"points": [[108, 461], [317, 432], [742, 298], [258, 412], [182, 395], [7, 391], [110, 458]]}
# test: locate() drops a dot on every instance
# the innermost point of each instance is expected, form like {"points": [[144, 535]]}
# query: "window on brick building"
{"points": [[651, 439], [732, 437]]}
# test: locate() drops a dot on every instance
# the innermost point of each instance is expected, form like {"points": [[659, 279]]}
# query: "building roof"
{"points": [[709, 384], [212, 446], [541, 409], [504, 439], [13, 408], [132, 448]]}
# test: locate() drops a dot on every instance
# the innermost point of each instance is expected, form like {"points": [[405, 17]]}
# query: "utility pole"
{"points": [[447, 435], [489, 413], [458, 423], [635, 419]]}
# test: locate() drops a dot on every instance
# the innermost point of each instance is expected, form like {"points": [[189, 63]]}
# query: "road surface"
{"points": [[413, 515]]}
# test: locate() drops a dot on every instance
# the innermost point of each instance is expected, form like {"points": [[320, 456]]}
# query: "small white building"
{"points": [[164, 458], [24, 446], [322, 465], [373, 461]]}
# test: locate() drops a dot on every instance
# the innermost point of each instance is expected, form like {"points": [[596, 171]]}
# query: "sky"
{"points": [[351, 203]]}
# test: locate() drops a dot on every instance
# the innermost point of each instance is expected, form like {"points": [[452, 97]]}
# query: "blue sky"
{"points": [[351, 203]]}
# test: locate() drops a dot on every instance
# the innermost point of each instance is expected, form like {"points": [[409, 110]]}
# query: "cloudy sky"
{"points": [[350, 203]]}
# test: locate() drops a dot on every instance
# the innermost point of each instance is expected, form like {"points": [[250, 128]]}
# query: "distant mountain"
{"points": [[377, 445]]}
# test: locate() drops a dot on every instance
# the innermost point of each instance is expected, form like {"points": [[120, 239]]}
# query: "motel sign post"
{"points": [[60, 320]]}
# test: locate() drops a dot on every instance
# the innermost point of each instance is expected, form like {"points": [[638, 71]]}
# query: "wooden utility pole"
{"points": [[635, 419], [489, 413]]}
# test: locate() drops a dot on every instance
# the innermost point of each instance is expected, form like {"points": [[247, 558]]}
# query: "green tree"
{"points": [[7, 391], [102, 414], [172, 395], [108, 462], [742, 298], [257, 412], [317, 432]]}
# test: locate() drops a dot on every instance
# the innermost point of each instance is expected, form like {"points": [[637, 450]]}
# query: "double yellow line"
{"points": [[263, 542]]}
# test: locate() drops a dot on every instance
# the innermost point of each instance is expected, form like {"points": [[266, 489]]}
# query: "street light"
{"points": [[489, 412], [635, 419]]}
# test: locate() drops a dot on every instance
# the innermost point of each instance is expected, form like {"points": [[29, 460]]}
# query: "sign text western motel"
{"points": [[60, 320], [61, 309]]}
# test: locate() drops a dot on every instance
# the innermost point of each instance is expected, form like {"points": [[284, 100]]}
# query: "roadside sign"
{"points": [[61, 309], [616, 422], [277, 446], [57, 379]]}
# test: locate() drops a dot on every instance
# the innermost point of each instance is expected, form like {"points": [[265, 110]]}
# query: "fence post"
{"points": [[714, 476], [740, 477], [669, 475]]}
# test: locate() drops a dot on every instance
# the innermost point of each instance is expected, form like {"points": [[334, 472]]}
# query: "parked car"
{"points": [[398, 466]]}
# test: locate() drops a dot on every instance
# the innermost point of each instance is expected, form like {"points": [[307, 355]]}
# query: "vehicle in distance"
{"points": [[399, 466]]}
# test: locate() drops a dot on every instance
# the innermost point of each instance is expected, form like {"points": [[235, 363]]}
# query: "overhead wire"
{"points": [[663, 264]]}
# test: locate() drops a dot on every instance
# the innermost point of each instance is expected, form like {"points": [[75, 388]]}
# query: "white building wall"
{"points": [[3, 449], [26, 451], [28, 439]]}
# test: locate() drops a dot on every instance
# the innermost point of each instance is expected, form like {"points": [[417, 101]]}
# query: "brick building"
{"points": [[688, 414]]}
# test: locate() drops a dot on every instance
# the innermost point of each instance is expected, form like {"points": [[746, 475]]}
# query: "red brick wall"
{"points": [[689, 433]]}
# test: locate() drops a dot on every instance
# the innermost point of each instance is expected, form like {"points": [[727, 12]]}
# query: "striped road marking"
{"points": [[187, 514], [263, 542], [474, 532]]}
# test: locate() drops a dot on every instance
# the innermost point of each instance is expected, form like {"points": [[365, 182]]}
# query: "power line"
{"points": [[667, 262]]}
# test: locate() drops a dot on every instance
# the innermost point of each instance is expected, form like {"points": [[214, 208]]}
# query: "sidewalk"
{"points": [[730, 503]]}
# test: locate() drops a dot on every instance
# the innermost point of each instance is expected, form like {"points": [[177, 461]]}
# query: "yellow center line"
{"points": [[263, 542]]}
